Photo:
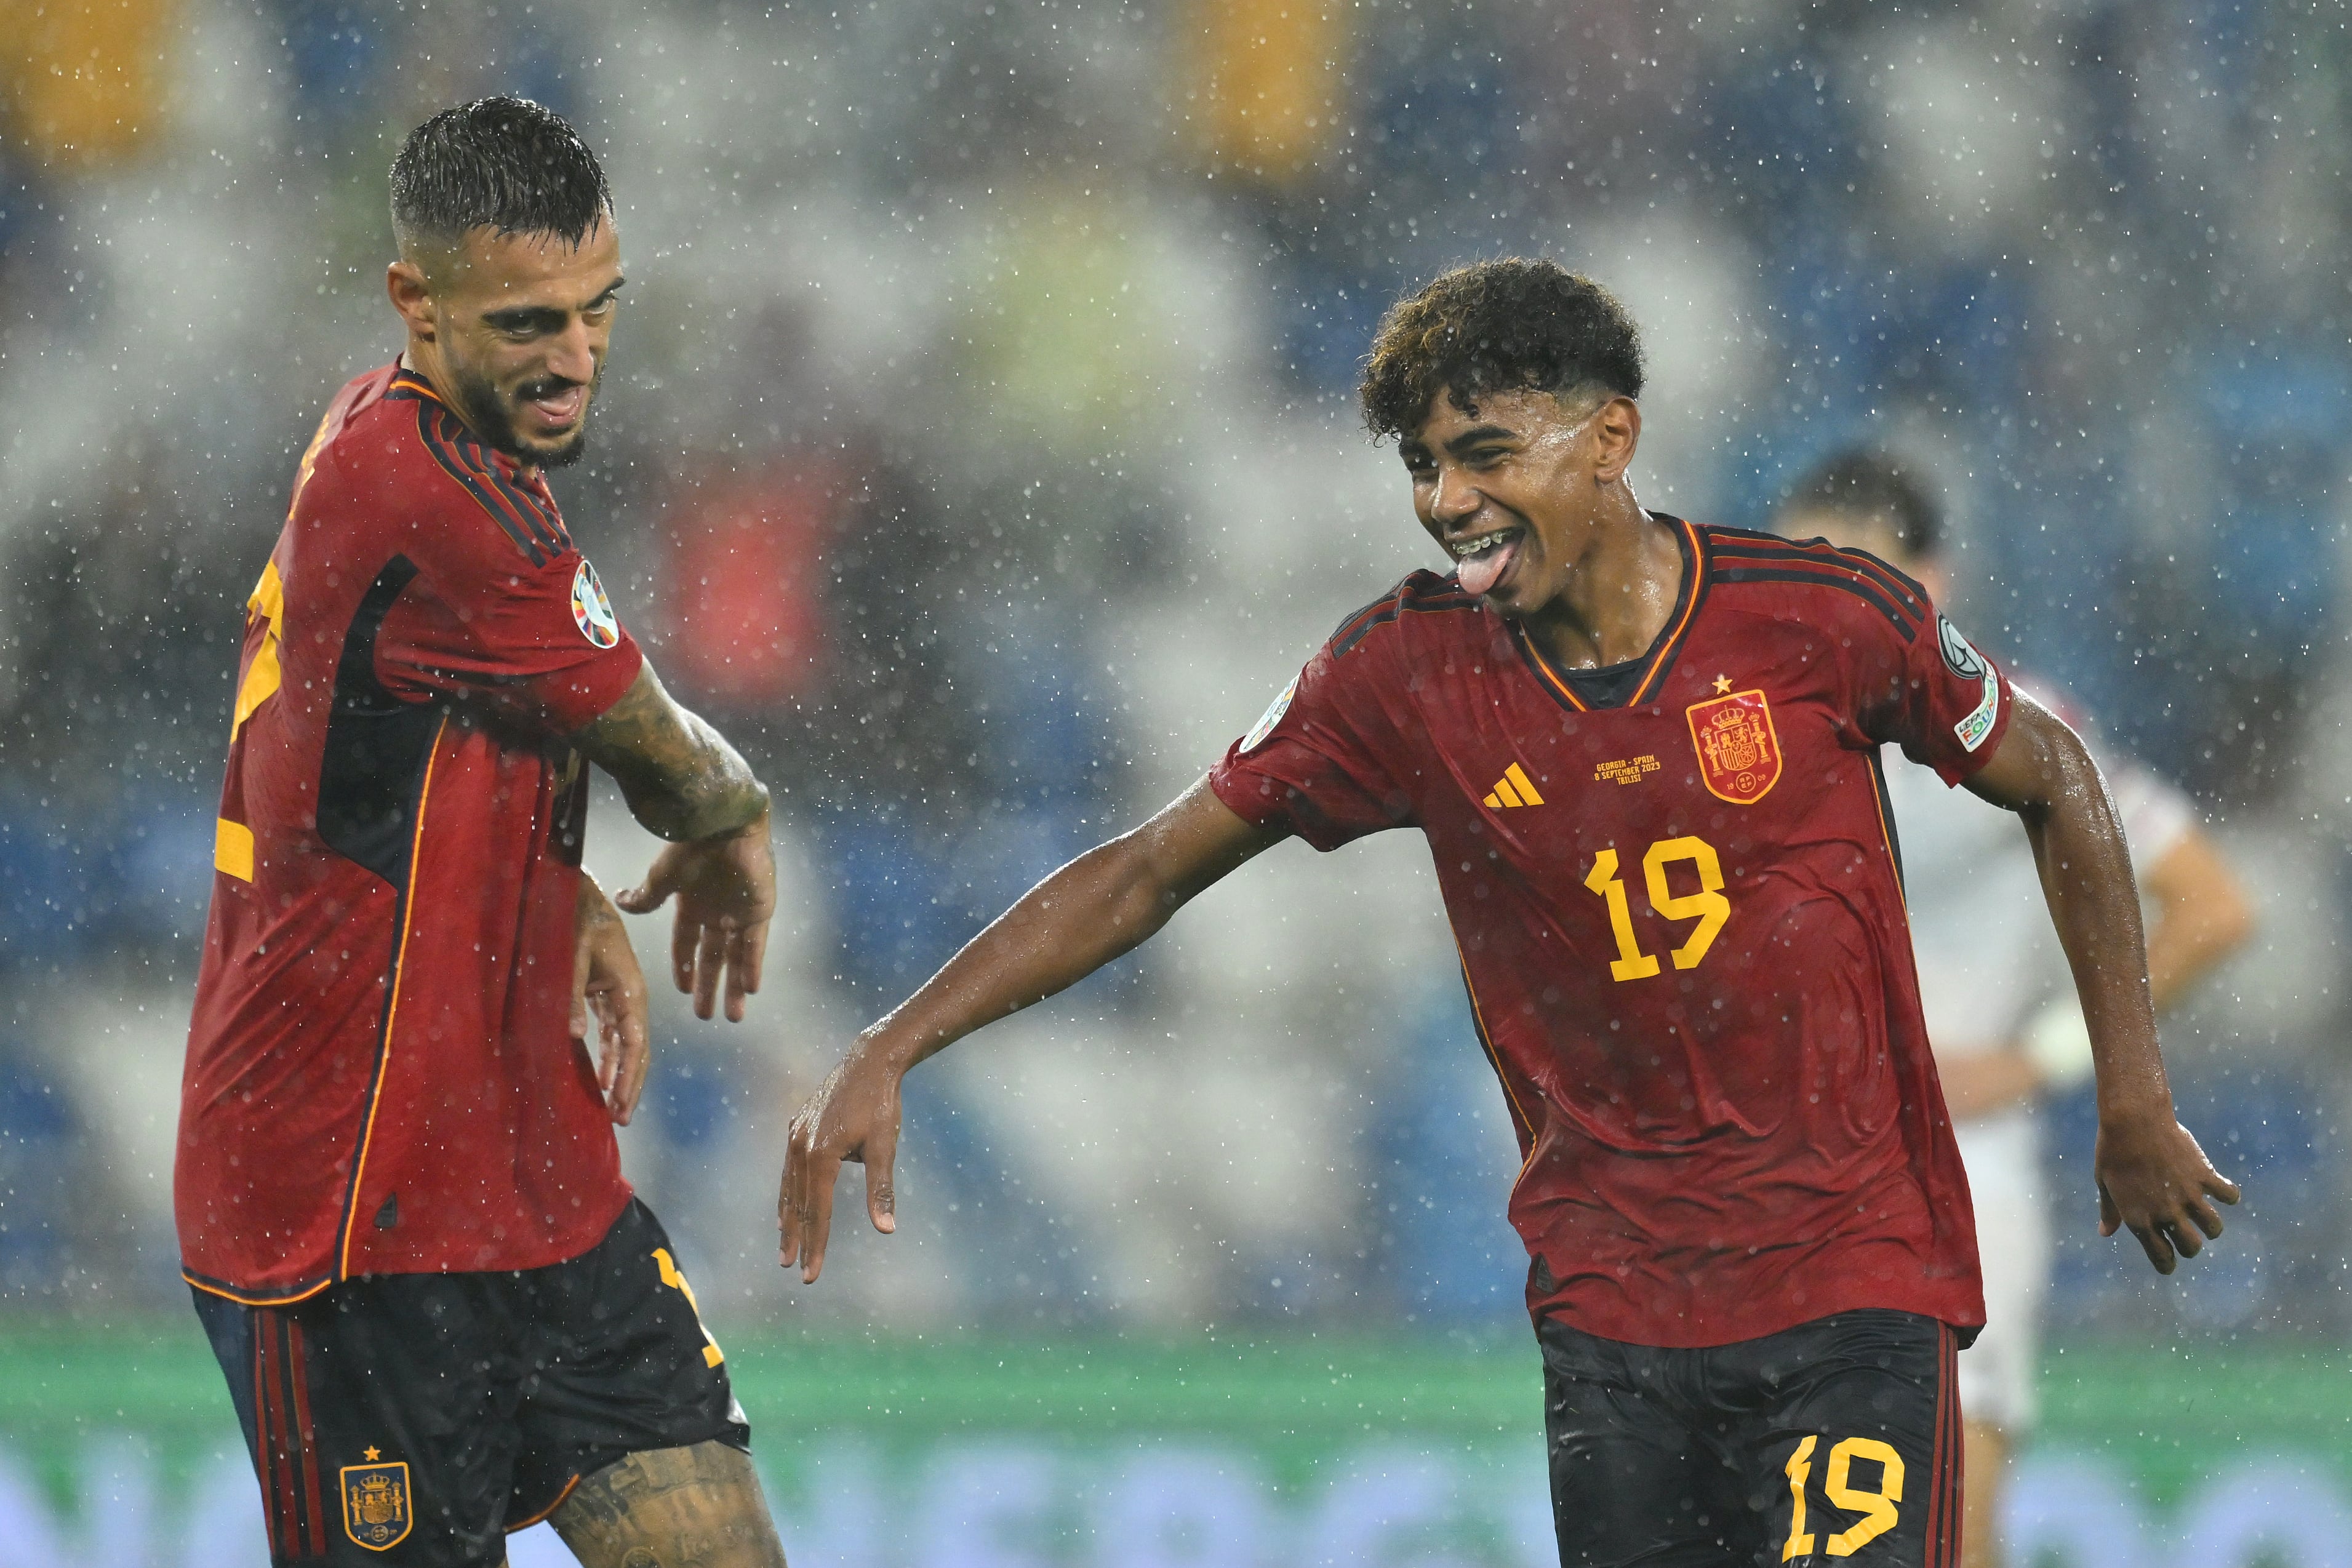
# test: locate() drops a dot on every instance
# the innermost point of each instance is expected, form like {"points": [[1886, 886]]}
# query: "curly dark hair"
{"points": [[1508, 325], [1859, 482], [501, 163]]}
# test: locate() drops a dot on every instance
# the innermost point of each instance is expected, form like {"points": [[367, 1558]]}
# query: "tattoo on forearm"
{"points": [[681, 778]]}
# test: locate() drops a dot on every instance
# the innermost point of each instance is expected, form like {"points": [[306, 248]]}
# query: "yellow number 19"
{"points": [[1877, 1509], [1707, 906]]}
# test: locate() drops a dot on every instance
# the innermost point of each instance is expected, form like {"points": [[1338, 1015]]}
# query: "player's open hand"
{"points": [[726, 891], [2155, 1181], [607, 984], [854, 1117]]}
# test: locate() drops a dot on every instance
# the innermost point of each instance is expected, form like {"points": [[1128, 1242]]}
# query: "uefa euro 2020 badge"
{"points": [[591, 610], [378, 1511]]}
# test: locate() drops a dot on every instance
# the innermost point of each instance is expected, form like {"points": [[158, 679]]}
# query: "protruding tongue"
{"points": [[1479, 574], [560, 407]]}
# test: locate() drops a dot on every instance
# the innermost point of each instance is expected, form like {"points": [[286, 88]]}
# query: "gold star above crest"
{"points": [[1722, 684], [372, 1455]]}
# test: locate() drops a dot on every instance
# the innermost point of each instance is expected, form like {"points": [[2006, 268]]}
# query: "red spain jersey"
{"points": [[380, 1074], [1679, 908]]}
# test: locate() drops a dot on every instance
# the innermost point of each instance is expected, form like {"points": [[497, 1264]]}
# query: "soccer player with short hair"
{"points": [[441, 1312], [2000, 1008], [1645, 754]]}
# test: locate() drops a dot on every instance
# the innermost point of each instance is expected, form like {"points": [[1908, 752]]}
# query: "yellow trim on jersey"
{"points": [[233, 848], [263, 675], [245, 1300]]}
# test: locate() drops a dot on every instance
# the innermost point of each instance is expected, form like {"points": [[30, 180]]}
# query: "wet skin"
{"points": [[512, 330]]}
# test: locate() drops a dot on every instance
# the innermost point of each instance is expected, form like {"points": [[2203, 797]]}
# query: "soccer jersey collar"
{"points": [[1577, 691]]}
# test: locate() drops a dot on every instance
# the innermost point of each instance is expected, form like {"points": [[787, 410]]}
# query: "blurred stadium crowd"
{"points": [[979, 450]]}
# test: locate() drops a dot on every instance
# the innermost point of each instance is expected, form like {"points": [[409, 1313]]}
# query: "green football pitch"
{"points": [[2166, 1414]]}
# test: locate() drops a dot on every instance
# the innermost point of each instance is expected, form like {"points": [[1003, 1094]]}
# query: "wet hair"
{"points": [[1508, 325], [1860, 482], [500, 164]]}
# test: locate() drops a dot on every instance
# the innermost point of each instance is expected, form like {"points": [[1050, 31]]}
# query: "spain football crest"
{"points": [[1738, 750], [377, 1509]]}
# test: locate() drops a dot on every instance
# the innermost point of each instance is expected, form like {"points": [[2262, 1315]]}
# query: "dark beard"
{"points": [[479, 405]]}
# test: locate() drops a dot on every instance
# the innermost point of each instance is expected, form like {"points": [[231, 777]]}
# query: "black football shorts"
{"points": [[1837, 1441], [414, 1419]]}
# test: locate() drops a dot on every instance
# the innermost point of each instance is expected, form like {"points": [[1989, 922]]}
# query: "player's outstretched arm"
{"points": [[684, 782], [1069, 925], [2153, 1178]]}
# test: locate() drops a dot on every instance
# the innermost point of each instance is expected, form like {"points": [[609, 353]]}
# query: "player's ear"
{"points": [[412, 296], [1617, 431]]}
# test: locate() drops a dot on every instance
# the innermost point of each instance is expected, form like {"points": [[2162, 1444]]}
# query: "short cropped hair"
{"points": [[1506, 325], [1861, 483], [500, 164]]}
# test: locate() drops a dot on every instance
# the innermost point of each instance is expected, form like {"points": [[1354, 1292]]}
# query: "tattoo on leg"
{"points": [[671, 1507]]}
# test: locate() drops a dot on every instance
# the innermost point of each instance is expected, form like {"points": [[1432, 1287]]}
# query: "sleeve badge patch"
{"points": [[377, 1511], [1738, 749], [1266, 721], [591, 610], [1962, 659]]}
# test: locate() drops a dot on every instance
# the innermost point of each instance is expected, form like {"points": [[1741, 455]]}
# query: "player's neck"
{"points": [[1619, 591], [421, 358]]}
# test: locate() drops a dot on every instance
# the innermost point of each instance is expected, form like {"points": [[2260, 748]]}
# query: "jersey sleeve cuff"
{"points": [[581, 695], [1257, 798]]}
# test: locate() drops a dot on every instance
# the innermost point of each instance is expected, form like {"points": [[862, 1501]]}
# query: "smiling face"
{"points": [[1514, 492], [512, 330]]}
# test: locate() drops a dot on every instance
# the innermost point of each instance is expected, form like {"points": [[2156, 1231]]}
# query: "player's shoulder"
{"points": [[1421, 593], [1810, 576], [403, 461]]}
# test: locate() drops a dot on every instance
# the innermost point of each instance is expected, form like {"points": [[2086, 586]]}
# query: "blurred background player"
{"points": [[2001, 1013], [442, 1312]]}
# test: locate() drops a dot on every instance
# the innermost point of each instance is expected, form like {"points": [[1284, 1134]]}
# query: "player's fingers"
{"points": [[685, 935], [2218, 1185], [636, 1056], [2153, 1242], [580, 991], [881, 1151], [788, 1193], [745, 948], [2207, 1217], [753, 941], [2111, 1219], [608, 1043], [709, 963], [816, 1216], [649, 895], [788, 1230]]}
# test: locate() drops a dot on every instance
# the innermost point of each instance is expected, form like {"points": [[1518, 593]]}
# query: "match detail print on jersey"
{"points": [[1738, 750]]}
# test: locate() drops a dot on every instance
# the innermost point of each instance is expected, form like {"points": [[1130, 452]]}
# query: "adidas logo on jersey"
{"points": [[1514, 788]]}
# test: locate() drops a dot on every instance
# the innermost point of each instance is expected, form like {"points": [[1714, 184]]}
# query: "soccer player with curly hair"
{"points": [[1646, 755]]}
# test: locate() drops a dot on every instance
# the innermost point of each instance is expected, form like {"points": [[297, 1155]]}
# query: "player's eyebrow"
{"points": [[1478, 435], [545, 318]]}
